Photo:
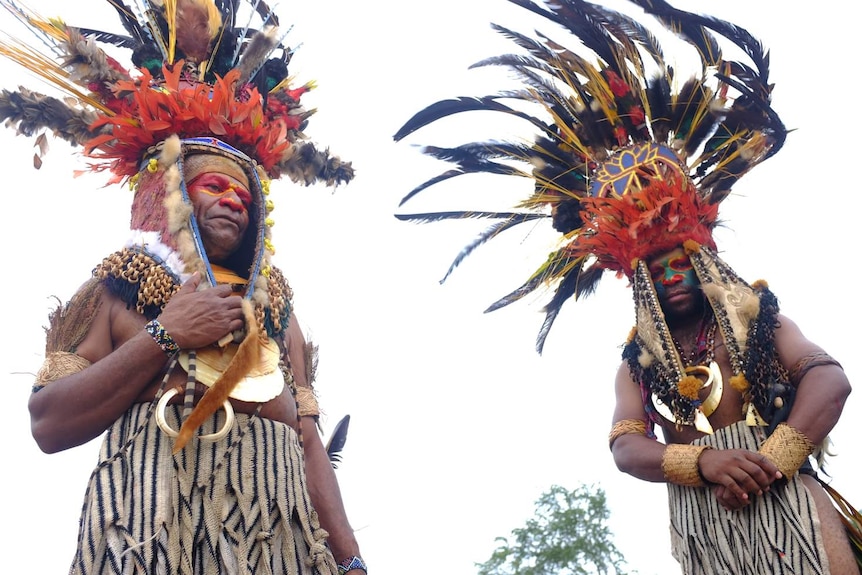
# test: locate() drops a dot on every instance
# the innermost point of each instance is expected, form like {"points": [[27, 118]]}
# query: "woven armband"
{"points": [[626, 427], [787, 448], [809, 362], [679, 463], [59, 364], [306, 401]]}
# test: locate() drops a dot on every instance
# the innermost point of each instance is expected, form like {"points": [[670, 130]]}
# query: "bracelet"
{"points": [[625, 427], [787, 448], [351, 563], [162, 338], [809, 362], [679, 463]]}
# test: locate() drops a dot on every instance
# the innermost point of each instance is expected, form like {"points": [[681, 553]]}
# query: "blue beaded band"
{"points": [[352, 563], [162, 337]]}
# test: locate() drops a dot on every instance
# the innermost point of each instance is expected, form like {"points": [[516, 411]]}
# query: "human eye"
{"points": [[681, 264]]}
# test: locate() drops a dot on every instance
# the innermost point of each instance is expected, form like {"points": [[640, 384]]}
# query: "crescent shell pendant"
{"points": [[714, 382]]}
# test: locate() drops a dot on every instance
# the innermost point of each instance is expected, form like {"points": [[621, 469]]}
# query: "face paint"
{"points": [[229, 193], [672, 268], [220, 204]]}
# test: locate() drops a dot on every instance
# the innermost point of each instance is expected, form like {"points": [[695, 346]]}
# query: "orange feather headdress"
{"points": [[194, 73], [199, 88], [628, 157]]}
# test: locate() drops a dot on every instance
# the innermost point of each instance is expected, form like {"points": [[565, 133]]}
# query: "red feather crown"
{"points": [[146, 112]]}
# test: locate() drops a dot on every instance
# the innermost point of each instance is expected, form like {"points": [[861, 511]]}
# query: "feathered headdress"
{"points": [[199, 74], [205, 91], [629, 158]]}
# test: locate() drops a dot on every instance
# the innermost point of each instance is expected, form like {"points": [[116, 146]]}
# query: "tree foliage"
{"points": [[567, 536]]}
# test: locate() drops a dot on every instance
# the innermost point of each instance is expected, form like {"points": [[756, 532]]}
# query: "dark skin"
{"points": [[737, 475], [79, 407]]}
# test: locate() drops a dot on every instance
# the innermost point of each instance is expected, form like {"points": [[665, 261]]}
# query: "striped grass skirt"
{"points": [[238, 506], [777, 533]]}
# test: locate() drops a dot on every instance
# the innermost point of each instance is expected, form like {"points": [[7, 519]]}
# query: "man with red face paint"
{"points": [[182, 351], [215, 221], [218, 189]]}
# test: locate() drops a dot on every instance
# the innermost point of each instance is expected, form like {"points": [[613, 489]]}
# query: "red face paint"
{"points": [[233, 195]]}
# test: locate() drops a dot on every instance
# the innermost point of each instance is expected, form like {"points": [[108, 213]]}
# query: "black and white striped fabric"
{"points": [[238, 506], [777, 533]]}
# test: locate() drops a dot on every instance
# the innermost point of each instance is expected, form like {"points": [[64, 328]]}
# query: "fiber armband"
{"points": [[59, 364], [787, 448], [307, 401], [809, 362], [679, 463], [625, 427]]}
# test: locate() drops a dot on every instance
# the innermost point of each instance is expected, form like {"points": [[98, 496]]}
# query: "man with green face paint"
{"points": [[631, 167], [675, 284]]}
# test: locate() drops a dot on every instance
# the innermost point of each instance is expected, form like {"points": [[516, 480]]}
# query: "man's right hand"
{"points": [[738, 475], [195, 319]]}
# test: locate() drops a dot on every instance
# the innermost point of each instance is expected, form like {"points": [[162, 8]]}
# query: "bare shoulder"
{"points": [[791, 343], [624, 377], [111, 326], [629, 404]]}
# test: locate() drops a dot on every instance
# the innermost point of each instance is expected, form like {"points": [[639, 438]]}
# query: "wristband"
{"points": [[351, 563], [162, 338], [787, 448], [679, 463], [625, 427]]}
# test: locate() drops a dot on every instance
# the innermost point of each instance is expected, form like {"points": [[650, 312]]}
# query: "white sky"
{"points": [[457, 424]]}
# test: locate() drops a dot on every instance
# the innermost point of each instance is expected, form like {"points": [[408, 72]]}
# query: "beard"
{"points": [[682, 304]]}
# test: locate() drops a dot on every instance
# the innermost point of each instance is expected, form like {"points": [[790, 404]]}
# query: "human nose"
{"points": [[671, 279], [231, 199]]}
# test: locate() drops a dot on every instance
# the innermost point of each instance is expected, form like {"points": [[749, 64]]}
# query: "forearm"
{"points": [[76, 408], [640, 457], [326, 495]]}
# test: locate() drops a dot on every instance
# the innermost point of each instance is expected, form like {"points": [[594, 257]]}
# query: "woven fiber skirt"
{"points": [[777, 533], [237, 506]]}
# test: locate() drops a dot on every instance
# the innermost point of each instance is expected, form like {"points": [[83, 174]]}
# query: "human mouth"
{"points": [[675, 295]]}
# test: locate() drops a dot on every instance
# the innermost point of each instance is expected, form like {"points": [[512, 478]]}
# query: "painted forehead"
{"points": [[675, 255], [198, 164]]}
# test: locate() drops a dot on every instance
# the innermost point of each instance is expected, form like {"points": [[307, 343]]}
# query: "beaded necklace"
{"points": [[703, 350]]}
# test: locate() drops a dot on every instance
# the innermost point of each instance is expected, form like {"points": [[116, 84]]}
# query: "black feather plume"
{"points": [[335, 444]]}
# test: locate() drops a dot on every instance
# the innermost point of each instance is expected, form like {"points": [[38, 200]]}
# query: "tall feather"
{"points": [[200, 23], [612, 90], [256, 53]]}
